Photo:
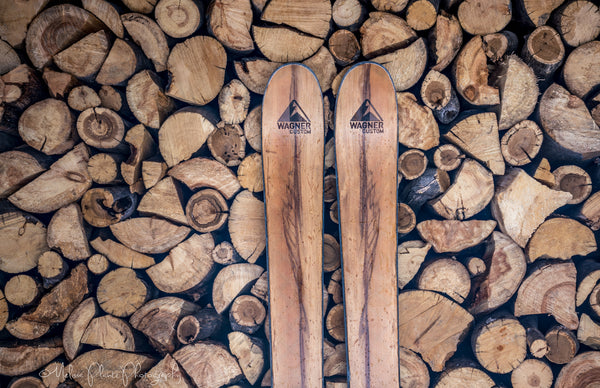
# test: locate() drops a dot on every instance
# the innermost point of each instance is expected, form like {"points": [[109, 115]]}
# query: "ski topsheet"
{"points": [[366, 146], [293, 139]]}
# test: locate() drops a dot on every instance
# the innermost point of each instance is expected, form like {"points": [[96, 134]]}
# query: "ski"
{"points": [[293, 139], [366, 144]]}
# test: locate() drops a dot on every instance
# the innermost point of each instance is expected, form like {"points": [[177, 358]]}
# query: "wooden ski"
{"points": [[366, 143], [293, 139]]}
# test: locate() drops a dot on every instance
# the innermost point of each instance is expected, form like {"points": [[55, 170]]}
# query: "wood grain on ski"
{"points": [[366, 145], [293, 148]]}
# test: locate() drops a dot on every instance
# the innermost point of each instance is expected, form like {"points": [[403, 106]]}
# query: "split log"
{"points": [[336, 363], [311, 17], [532, 373], [421, 330], [10, 59], [120, 254], [413, 371], [499, 45], [468, 375], [97, 264], [111, 98], [187, 266], [123, 60], [480, 17], [499, 344], [147, 100], [323, 65], [230, 23], [594, 300], [84, 58], [543, 51], [227, 144], [198, 326], [562, 345], [153, 170], [550, 289], [477, 135], [18, 167], [411, 255], [104, 168], [15, 18], [67, 233], [121, 292], [247, 314], [65, 182], [578, 22], [383, 32], [446, 276], [334, 288], [412, 164], [588, 275], [107, 13], [250, 354], [334, 323], [255, 72], [417, 127], [348, 14], [22, 81], [108, 332], [21, 290], [454, 235], [148, 35], [164, 200], [23, 240], [201, 172], [231, 281], [179, 19], [23, 359], [100, 127], [588, 332], [104, 206], [506, 268], [208, 364], [574, 180], [59, 84], [447, 157], [52, 268], [48, 126], [519, 215], [518, 87], [437, 93], [167, 373], [560, 238], [543, 173], [76, 324], [582, 67], [471, 74], [253, 128], [405, 65], [247, 226], [83, 97], [534, 12], [445, 40], [149, 235], [521, 143], [581, 371], [343, 45], [278, 43], [472, 190]]}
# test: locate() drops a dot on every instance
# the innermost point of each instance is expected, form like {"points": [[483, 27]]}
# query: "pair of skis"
{"points": [[366, 142]]}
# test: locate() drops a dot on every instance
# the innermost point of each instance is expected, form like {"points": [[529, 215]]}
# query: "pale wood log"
{"points": [[560, 238], [142, 146], [107, 13], [187, 266], [250, 354], [590, 211], [535, 12], [405, 65], [104, 168], [66, 181], [234, 100], [23, 240], [334, 287], [206, 211], [344, 46], [84, 58], [454, 235], [469, 375], [246, 226], [582, 67], [179, 18], [122, 61], [120, 254], [480, 17], [471, 74], [499, 344], [506, 265], [250, 173], [260, 289], [231, 281], [518, 87], [230, 22], [406, 219], [109, 332], [536, 341], [164, 200], [149, 235], [421, 15], [447, 157], [411, 255], [198, 326], [331, 253], [413, 371], [76, 325], [594, 300], [147, 100], [543, 173], [279, 44], [437, 94], [153, 171], [166, 374], [562, 345], [322, 64], [111, 98], [247, 314], [67, 233], [48, 126], [104, 206], [253, 128], [10, 59], [389, 5], [23, 359], [55, 29], [578, 22], [383, 33], [108, 368], [31, 90], [429, 185], [582, 371], [329, 188], [329, 154], [54, 307], [224, 253], [532, 373], [417, 127], [543, 51], [52, 268], [121, 292], [475, 266], [26, 382], [59, 83], [148, 35], [521, 143], [334, 323], [266, 380], [18, 167], [197, 70], [208, 364], [336, 364], [21, 290], [550, 289], [421, 329], [519, 215], [311, 17], [335, 85], [255, 72], [348, 14], [14, 19], [588, 332], [472, 190], [445, 40], [203, 172], [412, 164], [446, 276], [97, 264], [499, 45], [588, 274], [82, 98]]}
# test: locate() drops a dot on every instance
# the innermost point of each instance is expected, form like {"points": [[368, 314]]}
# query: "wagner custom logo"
{"points": [[367, 118], [294, 119]]}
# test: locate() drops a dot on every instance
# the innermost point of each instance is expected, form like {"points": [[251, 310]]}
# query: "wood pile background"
{"points": [[132, 227]]}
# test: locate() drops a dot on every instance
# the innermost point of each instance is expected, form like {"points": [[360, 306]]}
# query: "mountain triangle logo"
{"points": [[367, 118], [294, 119]]}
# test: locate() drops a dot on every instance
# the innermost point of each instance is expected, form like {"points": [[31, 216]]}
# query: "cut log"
{"points": [[311, 17], [335, 364], [206, 211], [52, 268], [247, 314], [105, 206], [506, 266], [224, 253], [21, 290], [467, 375], [499, 344], [383, 32], [560, 238], [472, 190], [348, 14], [520, 214], [83, 97], [250, 173], [389, 5], [198, 326], [543, 173], [201, 172], [153, 170], [107, 13], [111, 98], [26, 382], [454, 236], [410, 256], [536, 341], [422, 14], [208, 364], [14, 19], [148, 35], [246, 226], [582, 67], [250, 354], [84, 58], [471, 74], [67, 233], [100, 127], [97, 264], [532, 373], [121, 292], [142, 146], [588, 274], [343, 45], [445, 40], [149, 235], [405, 65], [23, 240], [412, 163], [499, 45], [230, 23], [477, 135], [574, 180], [255, 72], [48, 126], [234, 100], [108, 332], [334, 323], [406, 219], [10, 59], [447, 157], [23, 359], [30, 90], [581, 371], [334, 288], [253, 128], [147, 100], [475, 266], [331, 253], [65, 182], [480, 17], [446, 276], [227, 144], [18, 167], [123, 60], [120, 254], [76, 324], [422, 330], [550, 289], [521, 143], [588, 332], [536, 12], [167, 373], [562, 345], [413, 371], [55, 29], [437, 93], [231, 281], [179, 18], [323, 65], [417, 127], [518, 87], [543, 51], [578, 22], [329, 188], [104, 168], [429, 185], [278, 43], [590, 212]]}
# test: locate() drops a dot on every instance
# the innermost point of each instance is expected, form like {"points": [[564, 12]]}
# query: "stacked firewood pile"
{"points": [[132, 242]]}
